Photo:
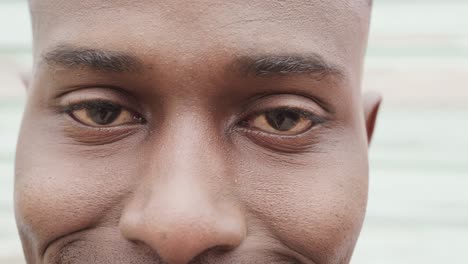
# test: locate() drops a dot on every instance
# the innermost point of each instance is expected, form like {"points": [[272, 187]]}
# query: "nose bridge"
{"points": [[182, 207], [189, 154]]}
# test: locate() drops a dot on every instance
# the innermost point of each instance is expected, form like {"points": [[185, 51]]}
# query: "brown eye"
{"points": [[282, 122], [103, 114]]}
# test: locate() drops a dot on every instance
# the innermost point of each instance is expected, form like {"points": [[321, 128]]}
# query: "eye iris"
{"points": [[282, 120], [103, 115]]}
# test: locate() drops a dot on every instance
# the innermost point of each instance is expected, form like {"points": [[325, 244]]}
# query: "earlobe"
{"points": [[372, 102]]}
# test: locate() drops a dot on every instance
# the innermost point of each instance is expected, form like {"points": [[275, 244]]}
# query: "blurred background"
{"points": [[418, 59]]}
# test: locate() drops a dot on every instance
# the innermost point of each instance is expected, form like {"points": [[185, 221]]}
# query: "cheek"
{"points": [[316, 209], [57, 193]]}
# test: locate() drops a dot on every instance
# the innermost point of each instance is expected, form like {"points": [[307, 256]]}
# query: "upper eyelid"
{"points": [[110, 94], [75, 89], [296, 102], [322, 103]]}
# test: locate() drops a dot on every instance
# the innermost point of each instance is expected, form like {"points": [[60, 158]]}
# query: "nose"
{"points": [[182, 209]]}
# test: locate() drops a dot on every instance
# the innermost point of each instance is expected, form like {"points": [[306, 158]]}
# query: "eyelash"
{"points": [[72, 107], [316, 119], [243, 124], [88, 104]]}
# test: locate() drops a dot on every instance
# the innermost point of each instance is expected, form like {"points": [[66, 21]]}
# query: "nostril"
{"points": [[212, 253], [146, 250], [221, 250]]}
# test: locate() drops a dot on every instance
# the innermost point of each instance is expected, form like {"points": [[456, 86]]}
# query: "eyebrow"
{"points": [[248, 65], [287, 64], [95, 59]]}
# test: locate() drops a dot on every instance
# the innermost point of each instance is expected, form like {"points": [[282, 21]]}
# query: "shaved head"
{"points": [[195, 132]]}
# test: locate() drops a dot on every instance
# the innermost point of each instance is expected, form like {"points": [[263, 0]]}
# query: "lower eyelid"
{"points": [[294, 144], [86, 135]]}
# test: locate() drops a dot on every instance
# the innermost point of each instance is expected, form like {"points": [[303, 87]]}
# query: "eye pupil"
{"points": [[282, 120], [103, 115]]}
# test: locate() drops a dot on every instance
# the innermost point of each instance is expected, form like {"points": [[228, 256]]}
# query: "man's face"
{"points": [[194, 132]]}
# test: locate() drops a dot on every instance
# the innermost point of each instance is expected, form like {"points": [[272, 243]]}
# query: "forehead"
{"points": [[201, 8], [337, 29]]}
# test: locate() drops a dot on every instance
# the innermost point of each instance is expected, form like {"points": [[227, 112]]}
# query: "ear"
{"points": [[371, 101], [25, 79]]}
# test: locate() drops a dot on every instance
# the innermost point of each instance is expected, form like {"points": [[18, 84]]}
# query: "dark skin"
{"points": [[195, 132]]}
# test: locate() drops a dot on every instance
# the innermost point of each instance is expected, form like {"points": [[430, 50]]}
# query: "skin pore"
{"points": [[195, 132]]}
